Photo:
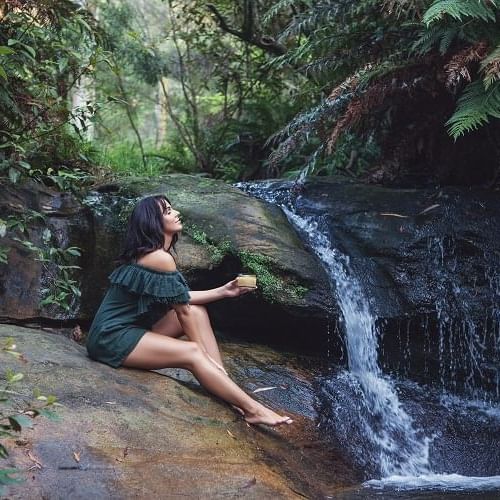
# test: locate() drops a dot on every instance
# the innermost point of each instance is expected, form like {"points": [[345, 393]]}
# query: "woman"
{"points": [[149, 306]]}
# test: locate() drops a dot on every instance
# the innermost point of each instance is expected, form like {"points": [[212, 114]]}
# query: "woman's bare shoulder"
{"points": [[159, 260]]}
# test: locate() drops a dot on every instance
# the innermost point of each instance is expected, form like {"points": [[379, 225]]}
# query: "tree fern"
{"points": [[460, 9], [475, 108], [490, 67], [448, 36]]}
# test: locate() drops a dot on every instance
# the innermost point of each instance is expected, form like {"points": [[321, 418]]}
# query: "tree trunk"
{"points": [[161, 114]]}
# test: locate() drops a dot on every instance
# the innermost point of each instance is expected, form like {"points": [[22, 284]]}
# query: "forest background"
{"points": [[399, 92]]}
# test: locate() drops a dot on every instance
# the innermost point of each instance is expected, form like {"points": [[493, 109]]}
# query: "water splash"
{"points": [[464, 341]]}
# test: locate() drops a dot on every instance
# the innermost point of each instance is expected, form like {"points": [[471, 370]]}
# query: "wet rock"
{"points": [[428, 262], [159, 434]]}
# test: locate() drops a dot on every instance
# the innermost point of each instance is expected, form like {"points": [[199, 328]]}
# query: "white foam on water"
{"points": [[448, 482]]}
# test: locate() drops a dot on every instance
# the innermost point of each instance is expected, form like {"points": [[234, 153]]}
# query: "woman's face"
{"points": [[171, 219]]}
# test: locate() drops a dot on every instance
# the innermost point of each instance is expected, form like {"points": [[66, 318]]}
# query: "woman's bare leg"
{"points": [[170, 326], [155, 351]]}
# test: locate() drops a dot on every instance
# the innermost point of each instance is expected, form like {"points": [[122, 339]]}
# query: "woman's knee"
{"points": [[199, 309], [194, 355]]}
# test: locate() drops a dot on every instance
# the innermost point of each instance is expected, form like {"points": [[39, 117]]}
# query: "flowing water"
{"points": [[402, 435]]}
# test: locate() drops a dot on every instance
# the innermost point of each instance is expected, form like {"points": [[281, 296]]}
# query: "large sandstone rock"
{"points": [[137, 434], [224, 224], [221, 222]]}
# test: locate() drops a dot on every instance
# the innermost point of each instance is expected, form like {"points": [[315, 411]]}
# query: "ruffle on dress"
{"points": [[152, 287]]}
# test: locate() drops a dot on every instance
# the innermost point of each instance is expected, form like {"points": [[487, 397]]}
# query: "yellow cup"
{"points": [[249, 280]]}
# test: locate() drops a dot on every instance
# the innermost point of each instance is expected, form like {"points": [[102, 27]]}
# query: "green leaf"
{"points": [[20, 421], [5, 50], [74, 251], [24, 164], [30, 50], [14, 175], [13, 378], [3, 74], [12, 353], [3, 451], [50, 414], [4, 251], [46, 234], [5, 476]]}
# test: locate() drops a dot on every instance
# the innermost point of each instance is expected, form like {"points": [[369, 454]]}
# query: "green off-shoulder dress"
{"points": [[137, 298]]}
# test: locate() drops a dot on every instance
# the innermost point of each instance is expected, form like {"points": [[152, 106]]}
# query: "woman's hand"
{"points": [[231, 289]]}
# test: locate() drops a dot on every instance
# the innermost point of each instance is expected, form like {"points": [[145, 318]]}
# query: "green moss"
{"points": [[217, 250], [269, 282]]}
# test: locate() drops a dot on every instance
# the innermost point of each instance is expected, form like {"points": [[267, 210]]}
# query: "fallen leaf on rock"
{"points": [[230, 433], [76, 455], [35, 460], [262, 389], [428, 209], [250, 483], [395, 215], [125, 453], [77, 334]]}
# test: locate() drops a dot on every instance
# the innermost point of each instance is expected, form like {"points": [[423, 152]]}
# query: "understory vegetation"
{"points": [[394, 91]]}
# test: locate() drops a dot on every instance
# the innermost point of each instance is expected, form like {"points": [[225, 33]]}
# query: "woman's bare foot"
{"points": [[263, 415]]}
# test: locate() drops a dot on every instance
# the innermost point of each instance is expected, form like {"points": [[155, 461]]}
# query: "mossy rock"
{"points": [[225, 232]]}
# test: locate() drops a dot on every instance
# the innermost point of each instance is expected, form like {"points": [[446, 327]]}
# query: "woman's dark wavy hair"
{"points": [[145, 229]]}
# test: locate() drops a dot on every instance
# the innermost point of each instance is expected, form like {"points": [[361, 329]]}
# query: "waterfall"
{"points": [[365, 411], [389, 428]]}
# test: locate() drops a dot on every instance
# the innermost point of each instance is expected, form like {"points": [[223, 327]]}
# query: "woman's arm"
{"points": [[230, 289]]}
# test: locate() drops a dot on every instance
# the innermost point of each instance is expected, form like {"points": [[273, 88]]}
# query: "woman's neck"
{"points": [[167, 241]]}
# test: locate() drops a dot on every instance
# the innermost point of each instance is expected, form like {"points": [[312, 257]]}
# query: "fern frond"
{"points": [[457, 69], [324, 13], [474, 108], [490, 67], [409, 9], [435, 35], [448, 36], [380, 69], [280, 6], [460, 9]]}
